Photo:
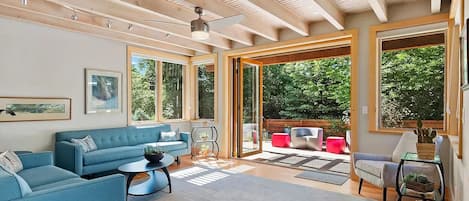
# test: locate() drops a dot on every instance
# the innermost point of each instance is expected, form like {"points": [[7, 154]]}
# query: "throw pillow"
{"points": [[169, 136], [24, 186], [87, 143], [10, 161]]}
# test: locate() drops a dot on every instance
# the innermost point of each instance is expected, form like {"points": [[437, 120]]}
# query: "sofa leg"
{"points": [[360, 186], [178, 160], [385, 190]]}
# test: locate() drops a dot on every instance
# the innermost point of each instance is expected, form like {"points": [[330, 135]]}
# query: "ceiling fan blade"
{"points": [[157, 21], [224, 22]]}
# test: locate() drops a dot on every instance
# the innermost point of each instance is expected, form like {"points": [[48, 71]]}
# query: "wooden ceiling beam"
{"points": [[186, 15], [36, 12], [289, 19], [219, 9], [330, 12], [436, 6], [129, 13], [379, 7]]}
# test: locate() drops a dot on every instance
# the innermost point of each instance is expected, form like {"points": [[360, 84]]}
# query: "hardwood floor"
{"points": [[288, 175]]}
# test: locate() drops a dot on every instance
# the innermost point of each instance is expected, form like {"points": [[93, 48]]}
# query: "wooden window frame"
{"points": [[160, 58], [194, 62], [374, 70]]}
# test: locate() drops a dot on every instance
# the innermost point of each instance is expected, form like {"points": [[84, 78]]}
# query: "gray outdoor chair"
{"points": [[306, 138], [381, 170]]}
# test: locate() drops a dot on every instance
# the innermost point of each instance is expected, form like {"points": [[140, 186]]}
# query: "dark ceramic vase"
{"points": [[154, 157]]}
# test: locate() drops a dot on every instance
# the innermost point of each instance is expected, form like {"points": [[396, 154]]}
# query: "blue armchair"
{"points": [[45, 182]]}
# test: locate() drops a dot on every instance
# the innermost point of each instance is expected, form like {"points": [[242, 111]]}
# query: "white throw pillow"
{"points": [[169, 136], [87, 143], [10, 161]]}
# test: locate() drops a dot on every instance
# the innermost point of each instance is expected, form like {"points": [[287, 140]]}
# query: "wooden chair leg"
{"points": [[360, 186], [385, 190]]}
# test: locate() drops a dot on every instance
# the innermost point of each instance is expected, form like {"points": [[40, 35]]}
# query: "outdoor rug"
{"points": [[328, 170], [200, 183], [323, 177]]}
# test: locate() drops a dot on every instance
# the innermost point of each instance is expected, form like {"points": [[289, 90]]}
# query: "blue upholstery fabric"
{"points": [[55, 184], [24, 187], [168, 146], [59, 183], [44, 175], [70, 156], [104, 138], [9, 186], [102, 167], [31, 160], [111, 154]]}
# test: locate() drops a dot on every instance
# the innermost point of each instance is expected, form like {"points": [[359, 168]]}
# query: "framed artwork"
{"points": [[464, 56], [34, 109], [103, 91]]}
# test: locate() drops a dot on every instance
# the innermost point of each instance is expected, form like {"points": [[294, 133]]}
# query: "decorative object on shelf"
{"points": [[207, 140], [103, 91], [153, 154], [425, 144], [418, 182], [34, 109]]}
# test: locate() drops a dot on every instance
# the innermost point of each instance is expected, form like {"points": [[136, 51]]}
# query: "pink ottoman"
{"points": [[335, 145], [280, 140]]}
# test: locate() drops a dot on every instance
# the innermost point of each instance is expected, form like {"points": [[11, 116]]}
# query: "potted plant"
{"points": [[425, 143], [418, 182], [153, 154]]}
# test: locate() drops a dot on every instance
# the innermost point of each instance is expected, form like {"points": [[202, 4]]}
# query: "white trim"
{"points": [[205, 61], [412, 31], [174, 61]]}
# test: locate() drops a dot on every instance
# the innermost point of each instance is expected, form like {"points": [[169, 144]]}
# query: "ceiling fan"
{"points": [[200, 28]]}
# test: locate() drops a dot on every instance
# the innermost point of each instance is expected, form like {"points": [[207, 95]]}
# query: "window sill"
{"points": [[399, 131], [158, 122]]}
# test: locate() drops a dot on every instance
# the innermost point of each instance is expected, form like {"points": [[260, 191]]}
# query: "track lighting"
{"points": [[24, 2], [108, 24], [131, 27], [74, 17]]}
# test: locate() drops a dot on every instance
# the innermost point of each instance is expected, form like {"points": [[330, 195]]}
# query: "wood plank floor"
{"points": [[288, 175]]}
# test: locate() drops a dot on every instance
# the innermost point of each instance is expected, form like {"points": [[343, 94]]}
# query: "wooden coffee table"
{"points": [[156, 180]]}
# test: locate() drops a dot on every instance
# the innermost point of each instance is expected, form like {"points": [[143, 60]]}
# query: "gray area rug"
{"points": [[323, 177], [205, 184]]}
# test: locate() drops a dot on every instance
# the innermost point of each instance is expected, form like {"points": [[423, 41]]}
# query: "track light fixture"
{"points": [[24, 2], [108, 24], [74, 16], [131, 27]]}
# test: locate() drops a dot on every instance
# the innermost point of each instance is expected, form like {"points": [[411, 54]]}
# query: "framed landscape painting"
{"points": [[103, 91], [34, 109]]}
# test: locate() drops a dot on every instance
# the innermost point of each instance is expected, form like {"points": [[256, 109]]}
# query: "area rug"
{"points": [[303, 162], [205, 184], [323, 177]]}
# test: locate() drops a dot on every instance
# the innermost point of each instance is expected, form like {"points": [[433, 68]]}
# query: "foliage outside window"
{"points": [[206, 91], [172, 90], [412, 86], [143, 85], [315, 89]]}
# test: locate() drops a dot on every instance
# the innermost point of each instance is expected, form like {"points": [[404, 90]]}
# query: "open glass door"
{"points": [[248, 104]]}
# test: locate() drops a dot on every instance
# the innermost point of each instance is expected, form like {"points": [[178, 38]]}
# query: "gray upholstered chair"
{"points": [[381, 170], [307, 138]]}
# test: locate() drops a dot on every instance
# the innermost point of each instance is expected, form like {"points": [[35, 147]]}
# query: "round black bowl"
{"points": [[154, 157]]}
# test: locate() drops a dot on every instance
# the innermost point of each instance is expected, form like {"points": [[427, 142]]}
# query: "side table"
{"points": [[211, 139], [403, 191]]}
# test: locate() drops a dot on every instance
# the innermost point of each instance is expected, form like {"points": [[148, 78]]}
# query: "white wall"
{"points": [[39, 61]]}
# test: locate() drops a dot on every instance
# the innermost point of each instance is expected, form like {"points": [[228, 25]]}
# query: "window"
{"points": [[412, 81], [156, 86], [143, 85], [408, 75], [206, 91], [172, 90]]}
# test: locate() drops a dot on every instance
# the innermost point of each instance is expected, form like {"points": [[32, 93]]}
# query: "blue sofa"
{"points": [[116, 146], [50, 183]]}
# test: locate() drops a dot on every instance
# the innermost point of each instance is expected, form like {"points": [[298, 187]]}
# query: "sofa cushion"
{"points": [[371, 167], [24, 187], [168, 136], [59, 183], [86, 143], [112, 154], [104, 138], [168, 146], [10, 161], [146, 134], [45, 175]]}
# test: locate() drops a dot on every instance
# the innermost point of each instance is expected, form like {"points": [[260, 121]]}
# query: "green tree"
{"points": [[412, 85], [143, 89]]}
